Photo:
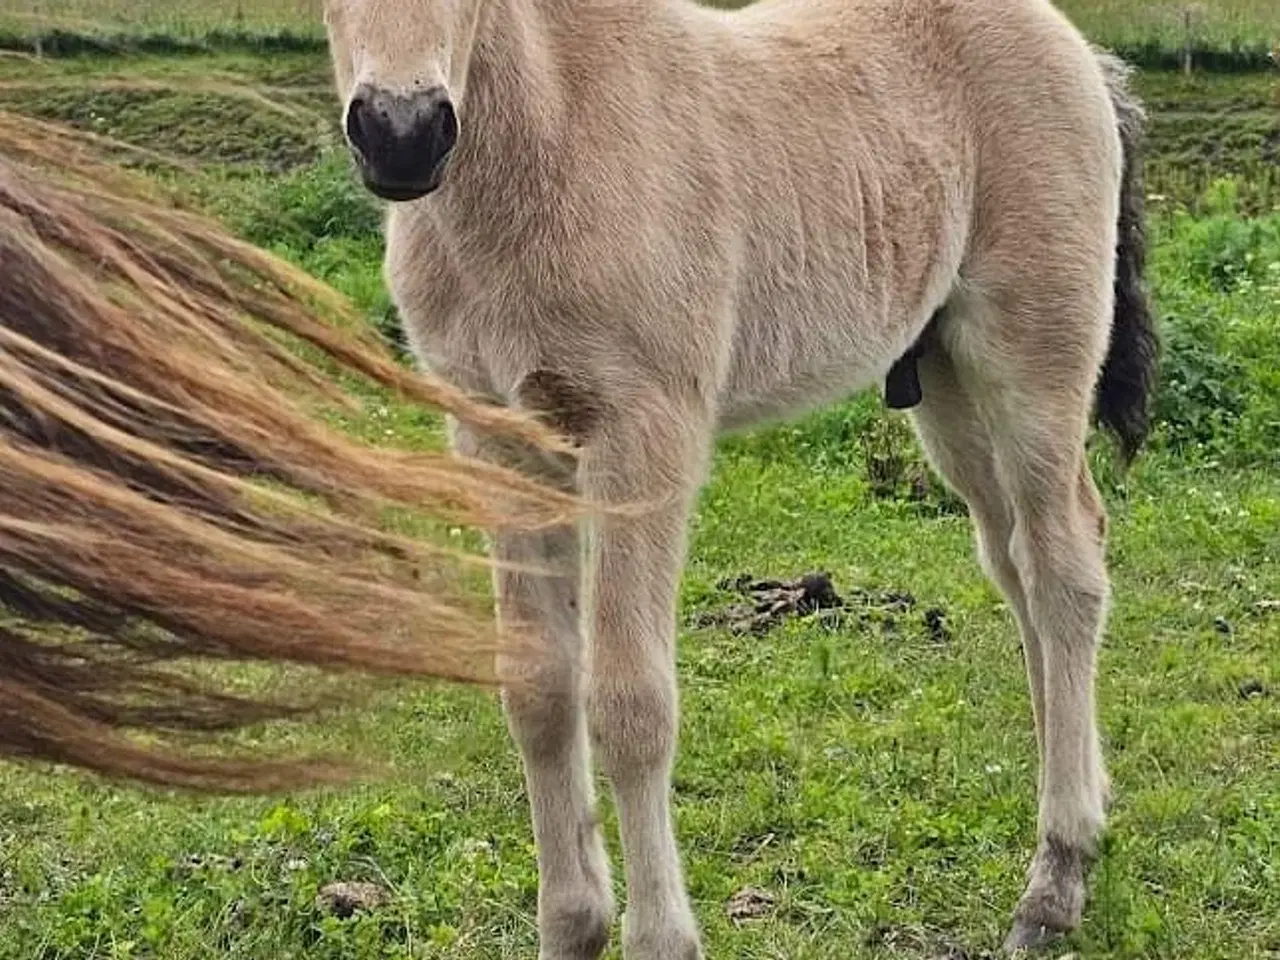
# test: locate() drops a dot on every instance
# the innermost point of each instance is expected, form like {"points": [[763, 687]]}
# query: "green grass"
{"points": [[1215, 25], [1224, 34], [1207, 126], [879, 784], [177, 17]]}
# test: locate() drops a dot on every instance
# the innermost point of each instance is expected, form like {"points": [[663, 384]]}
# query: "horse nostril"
{"points": [[358, 132], [447, 126]]}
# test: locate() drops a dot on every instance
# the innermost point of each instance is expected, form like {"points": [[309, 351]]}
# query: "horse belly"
{"points": [[805, 349], [840, 280]]}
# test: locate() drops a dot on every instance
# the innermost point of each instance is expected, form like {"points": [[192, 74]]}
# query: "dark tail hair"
{"points": [[1129, 375], [171, 500]]}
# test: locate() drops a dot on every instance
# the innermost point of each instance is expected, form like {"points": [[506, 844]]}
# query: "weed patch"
{"points": [[194, 126]]}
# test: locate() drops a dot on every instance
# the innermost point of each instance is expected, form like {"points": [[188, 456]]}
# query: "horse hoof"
{"points": [[1028, 934]]}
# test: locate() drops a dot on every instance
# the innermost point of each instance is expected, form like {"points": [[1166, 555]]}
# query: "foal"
{"points": [[649, 221]]}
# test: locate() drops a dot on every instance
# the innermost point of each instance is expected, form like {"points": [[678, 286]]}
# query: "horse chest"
{"points": [[484, 322], [803, 348]]}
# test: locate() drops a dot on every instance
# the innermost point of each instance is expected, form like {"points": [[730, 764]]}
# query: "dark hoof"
{"points": [[1029, 935], [1054, 899]]}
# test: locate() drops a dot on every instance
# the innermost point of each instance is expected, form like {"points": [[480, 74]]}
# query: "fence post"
{"points": [[37, 27], [1187, 43]]}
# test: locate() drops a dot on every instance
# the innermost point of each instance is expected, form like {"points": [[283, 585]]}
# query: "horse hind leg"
{"points": [[956, 441], [1029, 383], [1058, 547]]}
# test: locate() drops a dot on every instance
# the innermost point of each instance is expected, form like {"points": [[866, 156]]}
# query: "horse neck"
{"points": [[515, 92], [537, 71]]}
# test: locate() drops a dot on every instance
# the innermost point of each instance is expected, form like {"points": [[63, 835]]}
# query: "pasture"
{"points": [[1220, 26], [855, 783]]}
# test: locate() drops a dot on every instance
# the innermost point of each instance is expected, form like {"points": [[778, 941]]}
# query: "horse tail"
{"points": [[147, 391], [1128, 379]]}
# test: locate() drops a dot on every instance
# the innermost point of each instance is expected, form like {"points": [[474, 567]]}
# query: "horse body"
{"points": [[827, 210], [852, 222], [660, 221]]}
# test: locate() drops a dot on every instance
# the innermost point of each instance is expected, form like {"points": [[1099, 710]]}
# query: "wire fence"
{"points": [[1206, 34], [178, 17]]}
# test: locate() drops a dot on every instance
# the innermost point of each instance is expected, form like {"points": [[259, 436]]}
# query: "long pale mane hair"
{"points": [[170, 495]]}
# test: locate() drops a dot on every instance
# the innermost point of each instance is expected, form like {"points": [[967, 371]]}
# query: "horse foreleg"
{"points": [[538, 589], [648, 460]]}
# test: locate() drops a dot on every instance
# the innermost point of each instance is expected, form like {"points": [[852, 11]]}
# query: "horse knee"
{"points": [[633, 722], [993, 544], [543, 708]]}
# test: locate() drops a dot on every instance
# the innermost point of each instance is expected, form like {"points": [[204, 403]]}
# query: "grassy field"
{"points": [[872, 775], [1225, 31], [179, 17], [1218, 25]]}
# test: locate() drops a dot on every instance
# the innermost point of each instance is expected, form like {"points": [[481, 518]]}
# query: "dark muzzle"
{"points": [[401, 142]]}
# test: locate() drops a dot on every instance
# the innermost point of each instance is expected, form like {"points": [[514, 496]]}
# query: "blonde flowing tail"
{"points": [[169, 494]]}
